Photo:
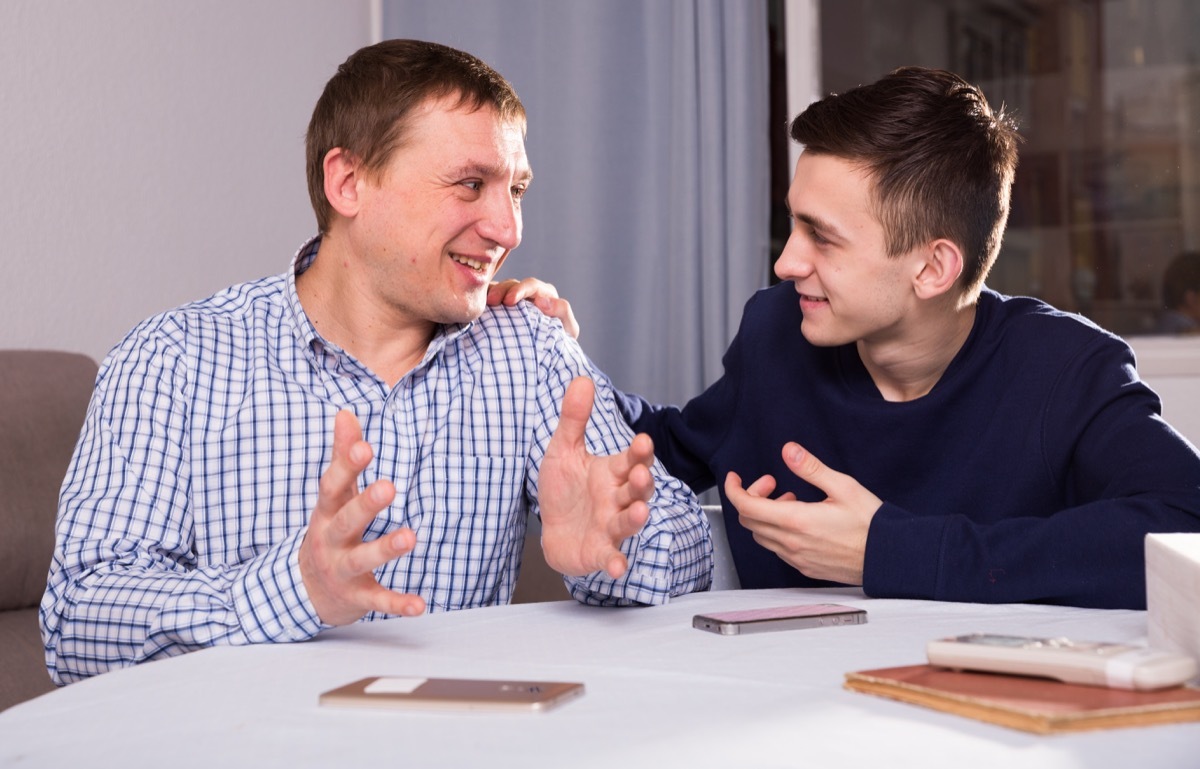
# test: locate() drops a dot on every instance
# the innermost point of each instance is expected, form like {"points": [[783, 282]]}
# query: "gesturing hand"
{"points": [[590, 504], [543, 295], [824, 540], [335, 563]]}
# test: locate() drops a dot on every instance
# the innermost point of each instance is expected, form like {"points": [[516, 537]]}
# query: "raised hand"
{"points": [[335, 563], [824, 540], [591, 504]]}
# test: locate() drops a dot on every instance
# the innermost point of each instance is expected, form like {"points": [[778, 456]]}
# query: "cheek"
{"points": [[890, 291]]}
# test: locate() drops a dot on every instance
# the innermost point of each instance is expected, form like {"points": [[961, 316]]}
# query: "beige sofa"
{"points": [[43, 397]]}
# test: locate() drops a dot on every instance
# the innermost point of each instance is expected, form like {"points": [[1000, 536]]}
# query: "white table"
{"points": [[659, 694]]}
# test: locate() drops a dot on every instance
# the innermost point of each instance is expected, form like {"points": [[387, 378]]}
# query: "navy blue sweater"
{"points": [[1030, 473]]}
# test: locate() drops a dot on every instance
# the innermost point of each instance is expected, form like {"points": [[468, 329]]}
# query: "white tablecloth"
{"points": [[659, 694]]}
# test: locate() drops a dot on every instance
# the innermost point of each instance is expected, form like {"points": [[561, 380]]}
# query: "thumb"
{"points": [[807, 467], [576, 410]]}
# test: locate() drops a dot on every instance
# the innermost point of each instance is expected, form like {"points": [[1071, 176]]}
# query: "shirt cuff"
{"points": [[271, 599], [663, 562], [647, 581]]}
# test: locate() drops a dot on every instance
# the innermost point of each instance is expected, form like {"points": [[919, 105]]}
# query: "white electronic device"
{"points": [[1121, 666]]}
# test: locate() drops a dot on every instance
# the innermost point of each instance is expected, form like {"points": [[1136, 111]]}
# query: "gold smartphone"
{"points": [[451, 694]]}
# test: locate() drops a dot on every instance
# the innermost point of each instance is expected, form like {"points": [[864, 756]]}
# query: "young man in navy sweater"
{"points": [[885, 420]]}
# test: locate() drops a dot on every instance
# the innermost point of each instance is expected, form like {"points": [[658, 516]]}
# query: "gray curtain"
{"points": [[648, 140]]}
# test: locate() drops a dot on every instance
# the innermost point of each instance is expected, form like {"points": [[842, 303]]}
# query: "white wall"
{"points": [[152, 152], [1171, 365]]}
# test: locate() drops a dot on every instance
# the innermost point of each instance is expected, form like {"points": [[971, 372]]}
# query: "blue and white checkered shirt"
{"points": [[183, 510]]}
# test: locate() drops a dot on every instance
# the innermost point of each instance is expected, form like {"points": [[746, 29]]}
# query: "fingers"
{"points": [[351, 455], [371, 555], [511, 291], [765, 486], [363, 559], [561, 309], [543, 295], [639, 488], [762, 487], [379, 599], [497, 290], [346, 432], [616, 565], [336, 566], [357, 514], [507, 292], [632, 468], [734, 492], [641, 450], [755, 509], [368, 556]]}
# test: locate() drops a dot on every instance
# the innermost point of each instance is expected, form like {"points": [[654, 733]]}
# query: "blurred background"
{"points": [[153, 153]]}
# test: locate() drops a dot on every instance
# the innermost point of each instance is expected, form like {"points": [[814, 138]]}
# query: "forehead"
{"points": [[443, 131], [832, 188]]}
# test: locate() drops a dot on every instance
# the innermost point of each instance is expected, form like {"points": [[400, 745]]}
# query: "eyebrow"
{"points": [[478, 169], [816, 222]]}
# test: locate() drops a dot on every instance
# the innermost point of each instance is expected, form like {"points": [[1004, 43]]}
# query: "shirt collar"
{"points": [[305, 331]]}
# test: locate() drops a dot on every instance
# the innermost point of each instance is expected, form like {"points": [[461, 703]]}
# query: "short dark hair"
{"points": [[941, 160], [364, 107], [1181, 276]]}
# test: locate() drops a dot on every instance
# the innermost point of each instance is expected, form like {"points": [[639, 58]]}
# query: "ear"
{"points": [[343, 172], [939, 269]]}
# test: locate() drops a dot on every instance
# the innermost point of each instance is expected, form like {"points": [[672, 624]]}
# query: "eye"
{"points": [[817, 237], [518, 191], [474, 185]]}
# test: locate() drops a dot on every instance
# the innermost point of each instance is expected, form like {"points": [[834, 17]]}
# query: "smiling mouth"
{"points": [[477, 266], [811, 298]]}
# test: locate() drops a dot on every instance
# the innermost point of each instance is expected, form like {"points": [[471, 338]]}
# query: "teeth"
{"points": [[474, 265]]}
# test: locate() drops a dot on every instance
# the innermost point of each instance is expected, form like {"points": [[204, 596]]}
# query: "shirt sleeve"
{"points": [[126, 583], [1120, 471], [672, 554]]}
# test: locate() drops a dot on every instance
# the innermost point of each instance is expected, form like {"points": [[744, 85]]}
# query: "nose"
{"points": [[501, 220], [793, 262]]}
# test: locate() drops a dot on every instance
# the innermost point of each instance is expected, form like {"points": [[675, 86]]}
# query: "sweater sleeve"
{"points": [[686, 439], [1119, 472]]}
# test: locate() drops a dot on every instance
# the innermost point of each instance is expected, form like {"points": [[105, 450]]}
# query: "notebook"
{"points": [[1031, 704]]}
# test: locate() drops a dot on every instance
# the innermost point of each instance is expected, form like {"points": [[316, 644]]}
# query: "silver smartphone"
{"points": [[779, 618], [451, 694]]}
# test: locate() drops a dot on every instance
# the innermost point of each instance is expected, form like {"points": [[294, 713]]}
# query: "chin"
{"points": [[819, 337], [465, 314]]}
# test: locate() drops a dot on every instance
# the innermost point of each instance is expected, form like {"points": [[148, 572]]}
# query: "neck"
{"points": [[908, 366], [342, 308]]}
